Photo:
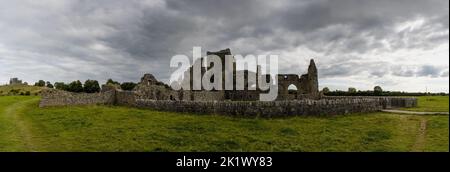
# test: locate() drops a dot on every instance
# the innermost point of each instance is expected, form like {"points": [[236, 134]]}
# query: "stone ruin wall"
{"points": [[125, 98], [386, 102], [54, 97], [265, 109], [153, 94], [204, 96], [326, 106], [243, 95]]}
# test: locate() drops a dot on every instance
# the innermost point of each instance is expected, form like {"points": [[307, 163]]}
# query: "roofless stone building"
{"points": [[307, 84]]}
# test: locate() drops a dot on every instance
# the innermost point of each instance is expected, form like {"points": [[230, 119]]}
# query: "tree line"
{"points": [[377, 91], [89, 86], [92, 86]]}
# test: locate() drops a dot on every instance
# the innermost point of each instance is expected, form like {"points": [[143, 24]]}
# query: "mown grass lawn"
{"points": [[25, 127], [431, 104]]}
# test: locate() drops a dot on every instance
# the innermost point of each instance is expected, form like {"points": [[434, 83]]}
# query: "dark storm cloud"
{"points": [[343, 69], [419, 71], [362, 25], [380, 69], [428, 70], [123, 39], [403, 71]]}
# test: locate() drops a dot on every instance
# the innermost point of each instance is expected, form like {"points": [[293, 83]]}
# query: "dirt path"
{"points": [[13, 112], [414, 113], [420, 139]]}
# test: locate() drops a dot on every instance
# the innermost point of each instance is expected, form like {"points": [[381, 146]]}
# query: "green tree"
{"points": [[40, 83], [352, 90], [61, 86], [75, 86], [49, 85], [91, 86], [112, 82], [325, 90], [377, 90], [128, 86]]}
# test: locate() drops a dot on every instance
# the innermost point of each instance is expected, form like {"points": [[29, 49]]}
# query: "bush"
{"points": [[128, 86], [27, 93], [91, 86], [14, 91]]}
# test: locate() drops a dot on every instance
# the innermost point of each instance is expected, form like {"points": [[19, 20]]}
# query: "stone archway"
{"points": [[286, 81], [292, 89]]}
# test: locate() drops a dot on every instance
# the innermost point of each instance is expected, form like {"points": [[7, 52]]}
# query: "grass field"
{"points": [[431, 104], [25, 127], [17, 89]]}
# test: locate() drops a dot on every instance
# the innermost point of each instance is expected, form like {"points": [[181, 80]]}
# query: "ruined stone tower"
{"points": [[307, 84], [313, 78]]}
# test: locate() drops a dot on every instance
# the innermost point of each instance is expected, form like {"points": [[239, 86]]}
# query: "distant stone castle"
{"points": [[15, 81]]}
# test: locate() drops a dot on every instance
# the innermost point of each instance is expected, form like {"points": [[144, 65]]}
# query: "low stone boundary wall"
{"points": [[386, 102], [327, 105], [266, 109], [54, 97]]}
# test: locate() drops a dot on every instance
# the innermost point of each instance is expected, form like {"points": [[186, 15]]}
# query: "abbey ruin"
{"points": [[307, 85], [306, 100]]}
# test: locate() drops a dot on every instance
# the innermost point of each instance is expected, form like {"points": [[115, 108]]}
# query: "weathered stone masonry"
{"points": [[307, 100], [267, 109], [324, 106], [54, 97], [386, 102]]}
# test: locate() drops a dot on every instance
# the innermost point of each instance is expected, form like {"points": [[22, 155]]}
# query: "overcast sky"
{"points": [[397, 44]]}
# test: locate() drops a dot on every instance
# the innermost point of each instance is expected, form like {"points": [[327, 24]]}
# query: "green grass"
{"points": [[25, 127], [11, 133], [431, 104], [17, 89], [437, 128]]}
